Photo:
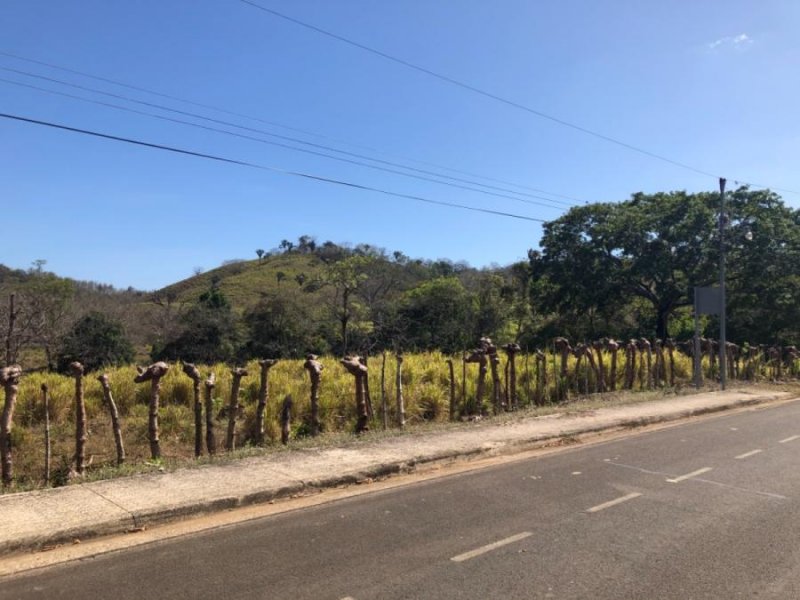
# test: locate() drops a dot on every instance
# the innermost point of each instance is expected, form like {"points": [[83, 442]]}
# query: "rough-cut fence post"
{"points": [[233, 408], [670, 346], [76, 369], [211, 441], [541, 377], [563, 348], [479, 356], [359, 372], [9, 378], [613, 347], [452, 389], [364, 360], [384, 406], [263, 397], [314, 368], [630, 364], [512, 350], [401, 407], [598, 346], [286, 419], [194, 374], [47, 445], [153, 374], [108, 399]]}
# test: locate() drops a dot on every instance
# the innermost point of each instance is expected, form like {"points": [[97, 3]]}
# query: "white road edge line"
{"points": [[490, 547], [611, 503], [789, 439], [689, 475], [749, 454]]}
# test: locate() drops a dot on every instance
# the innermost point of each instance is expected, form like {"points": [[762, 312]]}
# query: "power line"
{"points": [[282, 137], [475, 89], [267, 168], [272, 143], [275, 124]]}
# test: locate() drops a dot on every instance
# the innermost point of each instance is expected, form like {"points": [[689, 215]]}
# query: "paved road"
{"points": [[709, 509]]}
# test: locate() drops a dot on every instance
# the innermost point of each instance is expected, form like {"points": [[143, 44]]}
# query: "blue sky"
{"points": [[711, 84]]}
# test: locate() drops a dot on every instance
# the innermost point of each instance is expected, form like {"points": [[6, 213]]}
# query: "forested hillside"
{"points": [[621, 270]]}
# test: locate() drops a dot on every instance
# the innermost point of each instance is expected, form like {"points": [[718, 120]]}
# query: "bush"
{"points": [[96, 341]]}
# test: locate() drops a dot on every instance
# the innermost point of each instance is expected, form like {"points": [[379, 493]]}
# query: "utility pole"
{"points": [[723, 366]]}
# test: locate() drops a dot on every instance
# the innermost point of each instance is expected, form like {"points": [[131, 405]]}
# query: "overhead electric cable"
{"points": [[280, 145], [275, 124], [281, 137], [475, 89], [267, 168]]}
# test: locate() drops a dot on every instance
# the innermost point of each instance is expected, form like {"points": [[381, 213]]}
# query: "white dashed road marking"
{"points": [[789, 439], [490, 547], [611, 503], [749, 454], [689, 475]]}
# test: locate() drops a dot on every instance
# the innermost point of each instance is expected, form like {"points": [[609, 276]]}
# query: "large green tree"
{"points": [[656, 247]]}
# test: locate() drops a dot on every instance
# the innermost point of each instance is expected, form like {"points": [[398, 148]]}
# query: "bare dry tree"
{"points": [[76, 369], [354, 366], [153, 374], [194, 374], [108, 399], [314, 368], [211, 441], [9, 378], [263, 397], [233, 407]]}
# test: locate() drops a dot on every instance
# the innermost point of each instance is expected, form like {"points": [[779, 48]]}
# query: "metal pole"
{"points": [[722, 333]]}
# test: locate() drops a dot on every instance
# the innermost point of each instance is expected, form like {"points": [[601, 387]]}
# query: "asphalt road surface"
{"points": [[708, 509]]}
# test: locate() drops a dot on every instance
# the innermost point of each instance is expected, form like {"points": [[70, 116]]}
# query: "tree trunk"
{"points": [[263, 398], [211, 442], [314, 368], [194, 374], [47, 445], [76, 369], [233, 408], [9, 378], [153, 374], [112, 410]]}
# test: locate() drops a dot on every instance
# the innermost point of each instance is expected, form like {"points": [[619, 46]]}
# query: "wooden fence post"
{"points": [[9, 378], [153, 374], [263, 397], [211, 441], [233, 408], [314, 368], [76, 369], [194, 374], [112, 410]]}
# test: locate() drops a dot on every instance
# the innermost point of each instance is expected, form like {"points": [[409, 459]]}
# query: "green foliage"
{"points": [[96, 341], [210, 332]]}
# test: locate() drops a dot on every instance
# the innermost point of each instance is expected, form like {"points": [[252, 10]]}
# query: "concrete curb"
{"points": [[102, 504]]}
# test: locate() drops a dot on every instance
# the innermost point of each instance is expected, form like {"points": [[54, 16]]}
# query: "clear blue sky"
{"points": [[710, 84]]}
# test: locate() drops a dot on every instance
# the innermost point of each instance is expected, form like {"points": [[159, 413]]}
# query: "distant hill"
{"points": [[244, 282]]}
